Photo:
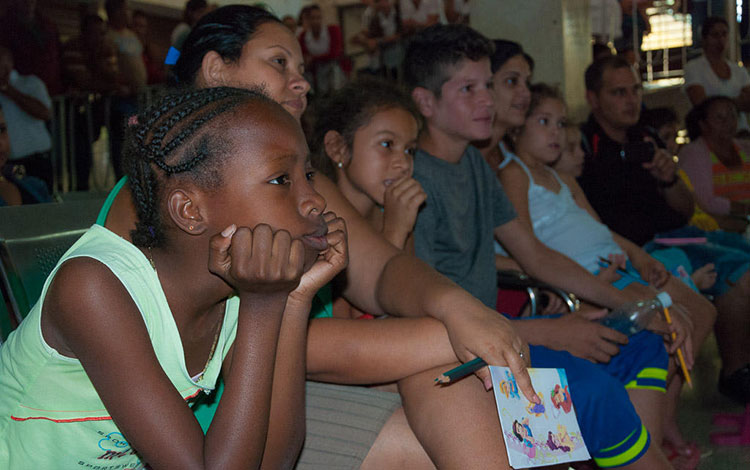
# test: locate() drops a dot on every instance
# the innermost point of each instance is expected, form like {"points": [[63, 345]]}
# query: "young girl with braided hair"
{"points": [[230, 245]]}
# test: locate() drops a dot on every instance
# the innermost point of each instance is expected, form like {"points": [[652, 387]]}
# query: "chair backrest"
{"points": [[32, 240], [6, 326]]}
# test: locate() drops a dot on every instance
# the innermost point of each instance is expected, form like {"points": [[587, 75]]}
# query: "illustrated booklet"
{"points": [[538, 434]]}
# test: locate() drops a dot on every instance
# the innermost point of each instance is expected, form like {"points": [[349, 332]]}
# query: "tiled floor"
{"points": [[697, 408]]}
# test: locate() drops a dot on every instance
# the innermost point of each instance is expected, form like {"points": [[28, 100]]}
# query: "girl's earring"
{"points": [[339, 164], [190, 227]]}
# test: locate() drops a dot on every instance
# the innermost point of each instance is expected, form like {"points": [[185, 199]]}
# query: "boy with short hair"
{"points": [[448, 70]]}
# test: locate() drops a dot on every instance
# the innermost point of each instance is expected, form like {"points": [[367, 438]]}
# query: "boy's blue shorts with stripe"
{"points": [[611, 428]]}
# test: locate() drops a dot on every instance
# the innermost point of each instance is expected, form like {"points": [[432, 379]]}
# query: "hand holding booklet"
{"points": [[540, 434]]}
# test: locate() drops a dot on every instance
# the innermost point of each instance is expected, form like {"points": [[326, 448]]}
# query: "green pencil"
{"points": [[461, 371]]}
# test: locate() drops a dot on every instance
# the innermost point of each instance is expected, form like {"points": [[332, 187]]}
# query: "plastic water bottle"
{"points": [[634, 317]]}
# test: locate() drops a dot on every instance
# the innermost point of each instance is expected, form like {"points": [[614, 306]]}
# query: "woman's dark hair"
{"points": [[350, 108], [174, 139], [699, 113], [224, 30], [539, 92], [506, 50], [710, 22]]}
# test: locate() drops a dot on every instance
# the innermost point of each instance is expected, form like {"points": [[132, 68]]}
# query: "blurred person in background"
{"points": [[322, 48], [457, 11], [381, 38], [152, 58], [132, 76], [90, 74], [34, 42], [194, 10], [290, 23], [16, 188], [416, 15], [27, 107], [712, 74]]}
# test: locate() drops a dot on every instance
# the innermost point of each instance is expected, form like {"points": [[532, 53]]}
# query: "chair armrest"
{"points": [[517, 280]]}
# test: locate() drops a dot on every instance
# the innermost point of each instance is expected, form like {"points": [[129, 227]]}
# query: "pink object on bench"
{"points": [[740, 436], [681, 241]]}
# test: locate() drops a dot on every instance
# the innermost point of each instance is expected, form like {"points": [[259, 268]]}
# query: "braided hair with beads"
{"points": [[174, 139]]}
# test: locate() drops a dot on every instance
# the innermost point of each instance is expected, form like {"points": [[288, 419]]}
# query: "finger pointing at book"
{"points": [[484, 333]]}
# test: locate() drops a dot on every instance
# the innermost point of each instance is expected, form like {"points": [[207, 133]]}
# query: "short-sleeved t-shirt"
{"points": [[379, 25], [454, 232], [698, 72]]}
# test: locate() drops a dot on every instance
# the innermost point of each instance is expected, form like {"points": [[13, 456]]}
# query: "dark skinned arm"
{"points": [[117, 354]]}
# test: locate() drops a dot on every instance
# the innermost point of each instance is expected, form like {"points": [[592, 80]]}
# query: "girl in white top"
{"points": [[554, 204], [562, 218]]}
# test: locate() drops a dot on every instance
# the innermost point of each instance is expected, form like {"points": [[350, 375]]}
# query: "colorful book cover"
{"points": [[538, 434]]}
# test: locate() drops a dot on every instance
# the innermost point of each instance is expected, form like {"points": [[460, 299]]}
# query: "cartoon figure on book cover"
{"points": [[553, 442], [561, 440], [512, 385], [562, 434], [508, 387], [537, 409], [522, 431], [560, 398]]}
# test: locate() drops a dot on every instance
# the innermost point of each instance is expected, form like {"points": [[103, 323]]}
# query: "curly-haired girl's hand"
{"points": [[401, 204]]}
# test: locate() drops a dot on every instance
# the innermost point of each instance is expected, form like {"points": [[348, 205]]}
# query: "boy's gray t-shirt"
{"points": [[454, 232]]}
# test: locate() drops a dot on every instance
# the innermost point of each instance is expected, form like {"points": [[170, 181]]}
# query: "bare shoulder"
{"points": [[335, 200], [512, 176], [84, 300], [359, 229], [512, 169]]}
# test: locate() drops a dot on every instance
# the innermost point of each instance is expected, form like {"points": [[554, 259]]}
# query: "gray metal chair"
{"points": [[32, 240], [517, 280]]}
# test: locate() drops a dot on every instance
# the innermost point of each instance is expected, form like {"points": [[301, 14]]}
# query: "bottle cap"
{"points": [[664, 298]]}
